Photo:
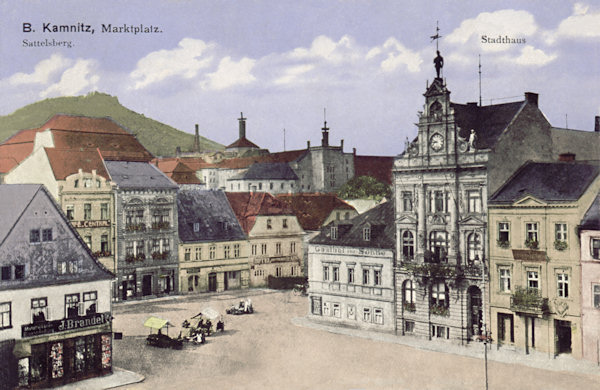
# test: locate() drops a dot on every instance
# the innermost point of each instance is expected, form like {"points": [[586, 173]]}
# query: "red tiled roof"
{"points": [[12, 154], [313, 209], [248, 205], [179, 172], [379, 167], [85, 124], [65, 162], [243, 143], [121, 147]]}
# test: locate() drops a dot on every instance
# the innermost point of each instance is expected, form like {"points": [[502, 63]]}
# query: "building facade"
{"points": [[535, 258], [55, 297], [213, 249], [146, 234], [589, 237], [351, 271], [274, 236]]}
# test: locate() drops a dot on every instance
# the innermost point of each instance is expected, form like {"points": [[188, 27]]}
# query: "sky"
{"points": [[289, 65]]}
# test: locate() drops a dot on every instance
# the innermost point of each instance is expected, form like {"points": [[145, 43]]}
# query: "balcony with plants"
{"points": [[529, 301]]}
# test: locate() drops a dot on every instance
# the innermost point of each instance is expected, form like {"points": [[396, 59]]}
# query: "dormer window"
{"points": [[334, 232], [269, 224], [196, 227], [367, 233]]}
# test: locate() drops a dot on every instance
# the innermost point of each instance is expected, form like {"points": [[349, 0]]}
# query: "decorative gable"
{"points": [[529, 201]]}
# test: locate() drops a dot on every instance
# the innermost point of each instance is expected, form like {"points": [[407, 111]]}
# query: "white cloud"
{"points": [[534, 57], [294, 74], [79, 78], [186, 60], [325, 48], [581, 24], [43, 71], [397, 55], [512, 23], [230, 73]]}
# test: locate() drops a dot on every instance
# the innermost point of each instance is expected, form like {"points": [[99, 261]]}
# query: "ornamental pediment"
{"points": [[472, 220], [529, 200], [407, 219]]}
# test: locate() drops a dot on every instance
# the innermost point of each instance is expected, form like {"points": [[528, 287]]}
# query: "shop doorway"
{"points": [[147, 285], [212, 281], [563, 336], [506, 329], [475, 311]]}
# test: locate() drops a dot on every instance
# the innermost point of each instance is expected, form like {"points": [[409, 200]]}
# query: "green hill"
{"points": [[158, 138]]}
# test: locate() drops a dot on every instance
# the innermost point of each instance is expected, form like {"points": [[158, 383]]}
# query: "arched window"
{"points": [[438, 244], [439, 295], [408, 292], [474, 247], [435, 110], [408, 245]]}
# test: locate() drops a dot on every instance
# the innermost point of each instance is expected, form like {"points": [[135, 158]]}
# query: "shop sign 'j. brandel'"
{"points": [[65, 324]]}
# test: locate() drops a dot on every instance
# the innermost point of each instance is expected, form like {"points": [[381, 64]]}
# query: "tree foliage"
{"points": [[364, 187]]}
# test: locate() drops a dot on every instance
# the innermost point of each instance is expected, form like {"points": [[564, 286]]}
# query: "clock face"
{"points": [[436, 142]]}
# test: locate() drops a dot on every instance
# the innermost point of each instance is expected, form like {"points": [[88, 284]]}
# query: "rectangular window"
{"points": [[34, 235], [70, 212], [350, 275], [198, 253], [531, 230], [5, 315], [596, 294], [378, 316], [504, 279], [47, 235], [87, 211], [441, 332], [438, 206], [595, 248], [316, 305], [67, 267], [19, 272], [139, 247], [236, 250], [367, 314], [407, 201], [104, 211], [254, 249], [562, 285], [278, 248], [196, 227], [377, 277], [263, 249], [71, 305], [560, 232], [104, 243], [88, 241], [336, 274], [292, 247], [326, 309], [334, 232], [367, 233], [187, 254], [39, 310], [337, 310], [6, 272], [474, 201], [269, 224], [351, 312], [211, 252], [285, 224], [366, 273], [409, 326], [325, 272], [226, 251], [503, 232], [533, 280], [90, 301], [129, 248]]}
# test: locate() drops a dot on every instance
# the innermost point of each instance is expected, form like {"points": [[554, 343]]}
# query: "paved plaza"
{"points": [[276, 348]]}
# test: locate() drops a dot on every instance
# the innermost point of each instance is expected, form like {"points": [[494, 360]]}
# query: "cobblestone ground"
{"points": [[265, 350]]}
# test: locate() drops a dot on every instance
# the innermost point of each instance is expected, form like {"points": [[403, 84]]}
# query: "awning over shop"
{"points": [[157, 323]]}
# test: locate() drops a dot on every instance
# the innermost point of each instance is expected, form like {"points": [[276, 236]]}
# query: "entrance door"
{"points": [[563, 336], [475, 311], [506, 332], [147, 285], [124, 292], [226, 280], [212, 281]]}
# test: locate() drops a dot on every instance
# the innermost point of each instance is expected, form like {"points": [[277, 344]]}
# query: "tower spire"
{"points": [[438, 60], [479, 80], [325, 130]]}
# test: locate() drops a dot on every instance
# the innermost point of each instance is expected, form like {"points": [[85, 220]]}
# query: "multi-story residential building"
{"points": [[213, 249], [274, 178], [274, 235], [55, 298], [589, 238], [462, 153], [146, 234], [314, 211], [535, 267], [351, 271]]}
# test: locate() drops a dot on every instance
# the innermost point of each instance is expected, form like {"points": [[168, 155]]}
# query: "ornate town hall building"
{"points": [[461, 155]]}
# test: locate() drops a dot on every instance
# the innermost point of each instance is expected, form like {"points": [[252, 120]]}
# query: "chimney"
{"points": [[566, 157], [197, 140], [307, 144], [342, 145], [597, 124], [325, 132], [531, 98], [354, 151], [178, 151], [242, 121]]}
